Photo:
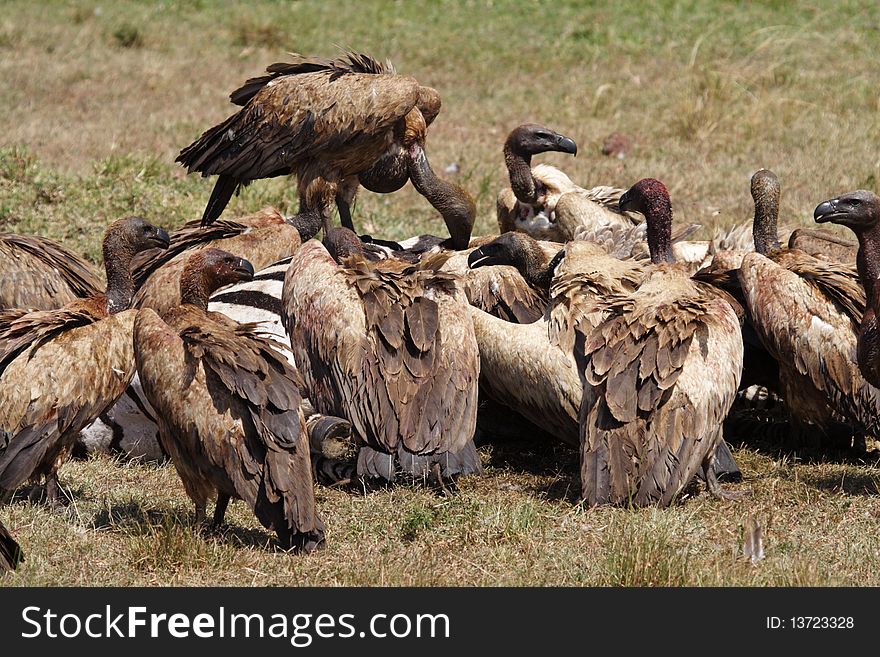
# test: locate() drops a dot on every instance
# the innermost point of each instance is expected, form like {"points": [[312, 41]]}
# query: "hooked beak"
{"points": [[826, 211], [566, 145], [477, 258], [161, 239], [245, 270]]}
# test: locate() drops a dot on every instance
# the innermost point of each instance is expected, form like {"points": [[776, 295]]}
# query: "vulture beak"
{"points": [[161, 239], [478, 258], [566, 145], [626, 202], [826, 212], [245, 270]]}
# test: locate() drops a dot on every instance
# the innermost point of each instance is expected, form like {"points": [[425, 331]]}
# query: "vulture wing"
{"points": [[662, 370], [809, 324], [10, 551], [55, 378], [386, 345], [228, 406], [297, 116], [39, 273]]}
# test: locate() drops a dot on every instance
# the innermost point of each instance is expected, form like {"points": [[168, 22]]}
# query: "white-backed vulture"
{"points": [[228, 406], [860, 212], [261, 238], [662, 369], [531, 368], [542, 200], [59, 369], [389, 346], [129, 427], [40, 274], [11, 554], [328, 121], [807, 312]]}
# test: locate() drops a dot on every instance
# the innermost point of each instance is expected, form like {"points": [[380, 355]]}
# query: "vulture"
{"points": [[661, 371], [40, 274], [10, 551], [261, 238], [334, 123], [807, 312], [531, 368], [497, 287], [860, 212], [228, 406], [543, 201], [129, 427], [389, 346], [59, 369]]}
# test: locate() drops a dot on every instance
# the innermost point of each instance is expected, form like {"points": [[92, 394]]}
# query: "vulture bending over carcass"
{"points": [[334, 123], [662, 369], [59, 369], [39, 274], [228, 406], [389, 346]]}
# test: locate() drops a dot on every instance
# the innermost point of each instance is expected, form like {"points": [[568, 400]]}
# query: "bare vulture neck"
{"points": [[536, 268], [118, 254], [452, 202], [868, 264], [519, 170], [195, 288], [764, 227], [658, 218]]}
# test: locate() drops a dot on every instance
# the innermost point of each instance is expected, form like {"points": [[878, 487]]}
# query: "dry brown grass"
{"points": [[98, 99]]}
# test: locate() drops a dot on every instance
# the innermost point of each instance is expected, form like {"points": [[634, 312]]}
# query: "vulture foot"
{"points": [[717, 490]]}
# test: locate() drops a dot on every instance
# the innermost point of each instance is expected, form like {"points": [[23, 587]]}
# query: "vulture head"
{"points": [[859, 211], [519, 250], [342, 243], [123, 239], [208, 270], [133, 235], [650, 197], [530, 139], [765, 194]]}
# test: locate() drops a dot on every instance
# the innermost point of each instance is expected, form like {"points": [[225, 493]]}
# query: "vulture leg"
{"points": [[438, 475], [53, 497], [220, 510], [344, 212], [200, 513], [714, 487]]}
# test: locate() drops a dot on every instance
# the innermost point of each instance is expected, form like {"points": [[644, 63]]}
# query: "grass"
{"points": [[98, 99]]}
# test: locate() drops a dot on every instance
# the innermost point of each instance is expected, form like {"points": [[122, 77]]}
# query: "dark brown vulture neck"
{"points": [[309, 221], [534, 265], [452, 202], [868, 263], [118, 253], [658, 219], [765, 192], [519, 170]]}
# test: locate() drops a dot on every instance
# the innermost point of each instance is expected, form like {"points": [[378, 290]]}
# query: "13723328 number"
{"points": [[821, 622], [810, 622]]}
